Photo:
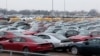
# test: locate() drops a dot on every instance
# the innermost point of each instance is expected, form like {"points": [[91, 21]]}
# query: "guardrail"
{"points": [[29, 53]]}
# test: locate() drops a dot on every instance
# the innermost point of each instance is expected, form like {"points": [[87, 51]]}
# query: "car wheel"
{"points": [[26, 50], [74, 50], [53, 48], [1, 48]]}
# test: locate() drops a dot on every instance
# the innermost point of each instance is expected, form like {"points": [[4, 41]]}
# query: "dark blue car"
{"points": [[87, 48]]}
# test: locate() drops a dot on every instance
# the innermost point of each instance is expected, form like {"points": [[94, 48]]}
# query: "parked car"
{"points": [[57, 40], [12, 29], [26, 44], [27, 32], [20, 23], [68, 33], [5, 35], [89, 47], [85, 36]]}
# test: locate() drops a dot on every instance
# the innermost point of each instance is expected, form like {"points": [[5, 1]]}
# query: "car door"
{"points": [[15, 43], [18, 43], [97, 46], [92, 46], [10, 45]]}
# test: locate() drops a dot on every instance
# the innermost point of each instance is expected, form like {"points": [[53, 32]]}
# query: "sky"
{"points": [[71, 5]]}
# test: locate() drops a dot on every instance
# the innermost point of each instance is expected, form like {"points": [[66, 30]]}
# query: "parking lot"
{"points": [[49, 36], [51, 53]]}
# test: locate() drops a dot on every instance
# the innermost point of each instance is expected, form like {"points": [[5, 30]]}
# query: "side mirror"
{"points": [[11, 41], [86, 43]]}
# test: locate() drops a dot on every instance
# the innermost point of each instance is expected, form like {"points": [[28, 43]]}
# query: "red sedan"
{"points": [[5, 35], [29, 32], [26, 44], [78, 38]]}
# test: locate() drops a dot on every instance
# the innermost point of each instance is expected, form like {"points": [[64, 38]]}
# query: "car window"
{"points": [[72, 28], [94, 41], [98, 41], [16, 39], [91, 28], [12, 29], [59, 36], [72, 32], [55, 30], [95, 33], [23, 40], [38, 40], [2, 33], [44, 36]]}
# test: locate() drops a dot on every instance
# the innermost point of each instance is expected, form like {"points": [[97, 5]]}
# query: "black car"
{"points": [[87, 48]]}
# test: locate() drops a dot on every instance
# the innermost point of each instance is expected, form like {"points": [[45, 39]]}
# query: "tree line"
{"points": [[92, 12]]}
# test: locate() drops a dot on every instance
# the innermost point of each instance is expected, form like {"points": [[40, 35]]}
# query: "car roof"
{"points": [[47, 33]]}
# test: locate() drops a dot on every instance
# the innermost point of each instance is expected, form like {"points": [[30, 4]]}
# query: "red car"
{"points": [[5, 35], [29, 32], [92, 34], [26, 44], [78, 38]]}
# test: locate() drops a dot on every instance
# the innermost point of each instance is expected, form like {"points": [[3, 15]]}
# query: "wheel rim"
{"points": [[26, 50], [74, 50]]}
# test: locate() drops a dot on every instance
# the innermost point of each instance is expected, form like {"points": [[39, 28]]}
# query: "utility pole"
{"points": [[6, 7], [52, 7], [64, 7]]}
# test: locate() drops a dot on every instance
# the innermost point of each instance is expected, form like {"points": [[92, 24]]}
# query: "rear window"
{"points": [[38, 40], [60, 37], [12, 28], [91, 28], [72, 32], [72, 28]]}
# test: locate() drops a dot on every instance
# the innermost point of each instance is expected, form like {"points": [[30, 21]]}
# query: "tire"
{"points": [[1, 48], [25, 50], [53, 48], [74, 51]]}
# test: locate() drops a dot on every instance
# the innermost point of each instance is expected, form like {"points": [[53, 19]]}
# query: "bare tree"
{"points": [[93, 13]]}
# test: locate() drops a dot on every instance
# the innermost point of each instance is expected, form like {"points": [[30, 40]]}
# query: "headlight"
{"points": [[62, 44]]}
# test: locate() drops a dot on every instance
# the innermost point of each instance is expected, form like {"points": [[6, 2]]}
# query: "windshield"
{"points": [[38, 40], [12, 28], [72, 28], [72, 32], [58, 36], [91, 28], [2, 27]]}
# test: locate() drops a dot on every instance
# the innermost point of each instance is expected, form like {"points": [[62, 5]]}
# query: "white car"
{"points": [[58, 41], [11, 29]]}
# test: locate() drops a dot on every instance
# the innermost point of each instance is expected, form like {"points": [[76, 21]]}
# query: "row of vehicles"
{"points": [[77, 38]]}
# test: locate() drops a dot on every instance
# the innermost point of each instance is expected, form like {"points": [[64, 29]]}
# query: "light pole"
{"points": [[64, 7], [6, 7], [52, 7]]}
